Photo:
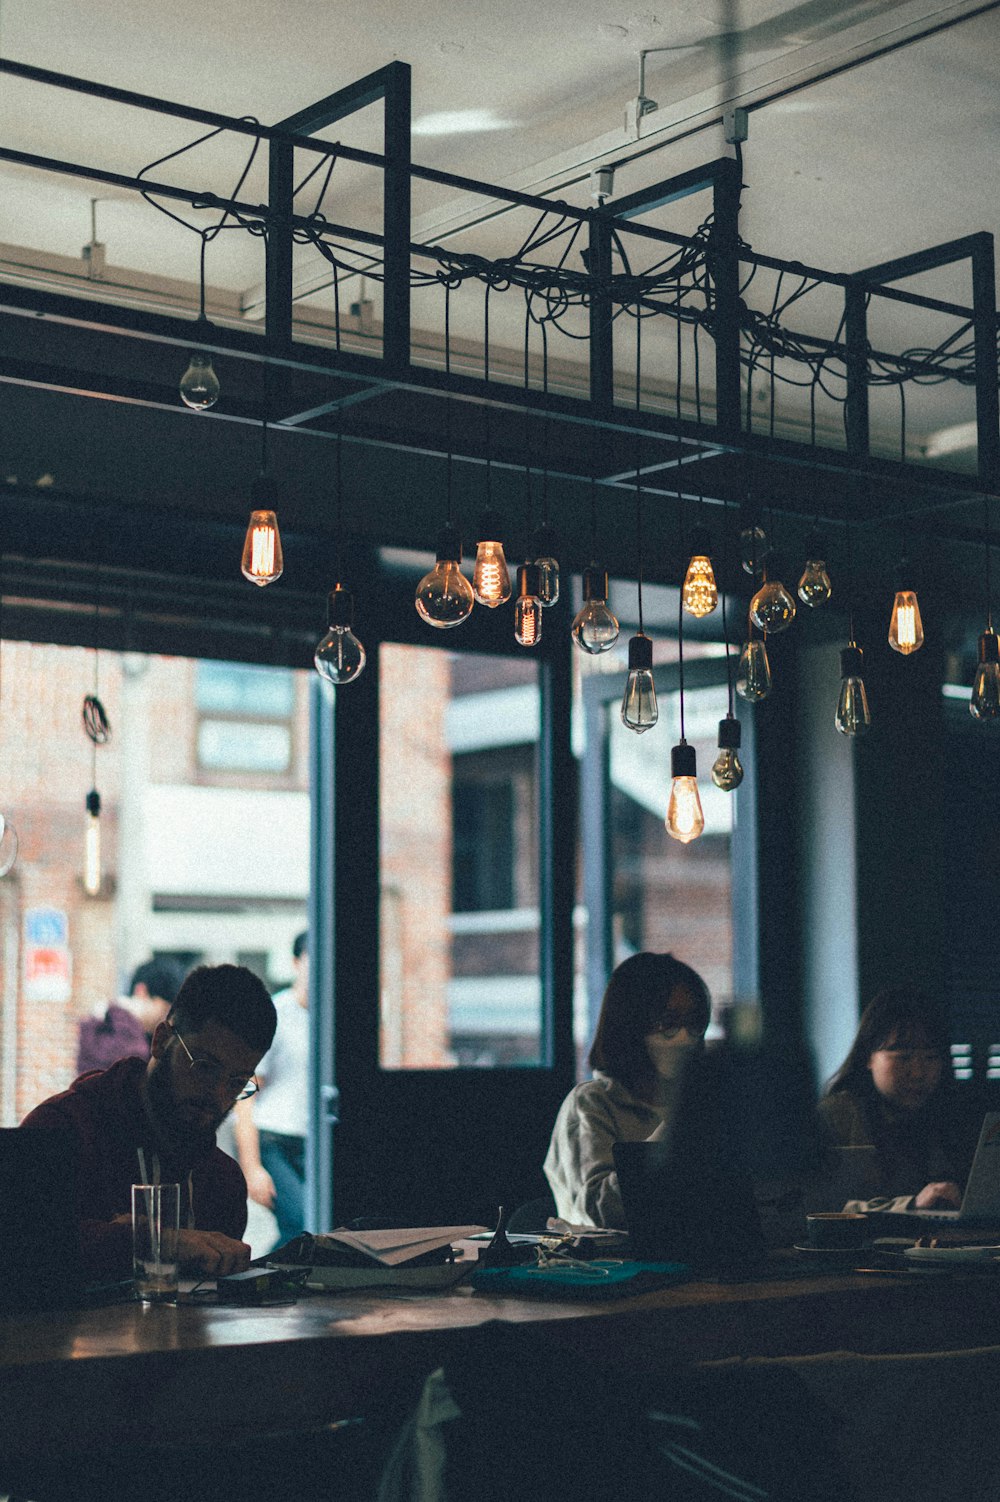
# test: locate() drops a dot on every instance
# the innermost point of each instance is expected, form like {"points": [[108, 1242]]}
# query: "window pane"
{"points": [[459, 860], [242, 746], [239, 688]]}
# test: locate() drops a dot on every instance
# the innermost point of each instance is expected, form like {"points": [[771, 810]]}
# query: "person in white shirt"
{"points": [[655, 1012], [271, 1128]]}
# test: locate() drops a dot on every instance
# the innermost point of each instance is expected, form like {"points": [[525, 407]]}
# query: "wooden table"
{"points": [[212, 1373]]}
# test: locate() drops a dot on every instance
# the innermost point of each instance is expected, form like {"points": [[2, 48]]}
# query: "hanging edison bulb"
{"points": [[444, 597], [814, 586], [985, 701], [699, 592], [490, 577], [528, 607], [262, 560], [340, 657], [772, 608], [853, 715], [753, 546], [595, 628], [639, 708], [92, 875], [753, 672], [685, 820], [544, 548], [727, 769], [906, 629], [8, 845], [199, 385]]}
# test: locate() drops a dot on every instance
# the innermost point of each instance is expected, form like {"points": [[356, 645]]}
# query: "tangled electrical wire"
{"points": [[679, 286]]}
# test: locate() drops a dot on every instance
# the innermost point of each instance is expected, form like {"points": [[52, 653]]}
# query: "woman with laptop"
{"points": [[893, 1092], [654, 1013]]}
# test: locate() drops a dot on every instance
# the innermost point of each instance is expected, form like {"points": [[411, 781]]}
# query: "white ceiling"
{"points": [[877, 160]]}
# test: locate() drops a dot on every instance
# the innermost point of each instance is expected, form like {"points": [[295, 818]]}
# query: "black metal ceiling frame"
{"points": [[368, 376]]}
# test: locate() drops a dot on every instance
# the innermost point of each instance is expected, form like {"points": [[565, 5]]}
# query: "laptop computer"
{"points": [[981, 1201], [40, 1259], [690, 1198]]}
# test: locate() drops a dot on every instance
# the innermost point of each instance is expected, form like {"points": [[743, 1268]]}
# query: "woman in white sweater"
{"points": [[654, 1013]]}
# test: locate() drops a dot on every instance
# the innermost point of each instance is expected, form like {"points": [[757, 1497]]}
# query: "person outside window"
{"points": [[271, 1129], [125, 1027]]}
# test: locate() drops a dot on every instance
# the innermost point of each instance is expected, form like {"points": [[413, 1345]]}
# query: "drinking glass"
{"points": [[155, 1220]]}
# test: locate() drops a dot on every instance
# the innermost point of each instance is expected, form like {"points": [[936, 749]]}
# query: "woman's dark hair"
{"points": [[231, 995], [635, 1001], [901, 1016]]}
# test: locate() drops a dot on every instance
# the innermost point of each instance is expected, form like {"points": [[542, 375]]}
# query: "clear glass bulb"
{"points": [[528, 620], [639, 708], [772, 608], [685, 820], [753, 672], [199, 385], [340, 657], [262, 560], [853, 714], [548, 571], [814, 586], [8, 845], [753, 548], [906, 629], [595, 628], [491, 577], [985, 701], [92, 845], [699, 592], [727, 770], [444, 596]]}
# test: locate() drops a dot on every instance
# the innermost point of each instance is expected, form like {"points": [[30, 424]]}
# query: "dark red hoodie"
{"points": [[105, 1112]]}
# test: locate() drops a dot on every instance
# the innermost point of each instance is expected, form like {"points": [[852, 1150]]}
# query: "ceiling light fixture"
{"points": [[263, 560], [444, 596], [339, 657]]}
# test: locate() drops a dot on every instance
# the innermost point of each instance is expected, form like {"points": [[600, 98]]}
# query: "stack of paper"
{"points": [[389, 1259]]}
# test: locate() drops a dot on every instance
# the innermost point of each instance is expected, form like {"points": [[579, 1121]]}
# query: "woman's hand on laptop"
{"points": [[944, 1195], [209, 1254]]}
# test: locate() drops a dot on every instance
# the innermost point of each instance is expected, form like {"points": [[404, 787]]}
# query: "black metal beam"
{"points": [[984, 301], [396, 219], [856, 333], [697, 180], [921, 260], [724, 264]]}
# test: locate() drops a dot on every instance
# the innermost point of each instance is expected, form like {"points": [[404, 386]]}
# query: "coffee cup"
{"points": [[836, 1229]]}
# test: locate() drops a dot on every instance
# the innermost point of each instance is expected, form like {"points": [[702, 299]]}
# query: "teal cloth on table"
{"points": [[616, 1280]]}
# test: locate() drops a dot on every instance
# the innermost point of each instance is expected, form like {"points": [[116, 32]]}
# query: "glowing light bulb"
{"points": [[906, 629], [985, 701], [544, 547], [753, 548], [595, 628], [490, 577], [639, 709], [262, 560], [8, 845], [727, 769], [853, 715], [772, 608], [444, 597], [814, 586], [340, 657], [685, 820], [753, 672], [92, 845], [528, 607], [699, 592], [199, 386]]}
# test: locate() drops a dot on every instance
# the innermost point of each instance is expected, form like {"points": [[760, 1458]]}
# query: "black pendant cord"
{"points": [[593, 496], [448, 397], [488, 405], [201, 278], [638, 460], [528, 498], [547, 430], [697, 418], [989, 591], [680, 446], [722, 593], [850, 581], [680, 657], [338, 469], [264, 418]]}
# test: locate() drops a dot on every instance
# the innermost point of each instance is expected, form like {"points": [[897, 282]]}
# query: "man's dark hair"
{"points": [[300, 944], [635, 1001], [161, 978], [231, 995]]}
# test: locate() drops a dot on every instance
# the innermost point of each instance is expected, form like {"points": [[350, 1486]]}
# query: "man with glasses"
{"points": [[155, 1122]]}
